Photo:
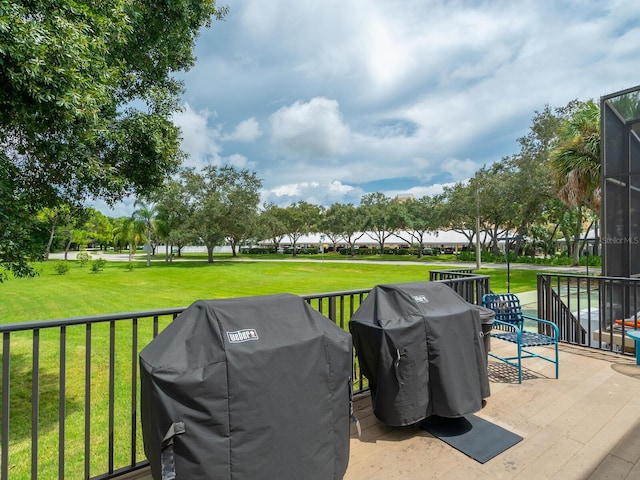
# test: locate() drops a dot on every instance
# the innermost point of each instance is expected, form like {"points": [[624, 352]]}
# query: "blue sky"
{"points": [[329, 100]]}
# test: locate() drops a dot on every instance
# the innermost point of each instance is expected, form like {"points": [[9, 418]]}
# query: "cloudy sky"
{"points": [[328, 100]]}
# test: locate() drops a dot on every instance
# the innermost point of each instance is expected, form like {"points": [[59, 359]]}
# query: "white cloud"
{"points": [[246, 131], [317, 193], [239, 161], [338, 188], [199, 141], [294, 189], [314, 129], [364, 92], [460, 169]]}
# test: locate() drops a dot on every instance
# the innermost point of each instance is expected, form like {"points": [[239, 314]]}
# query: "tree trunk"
{"points": [[51, 235], [576, 242], [210, 253], [67, 247], [549, 243], [148, 245]]}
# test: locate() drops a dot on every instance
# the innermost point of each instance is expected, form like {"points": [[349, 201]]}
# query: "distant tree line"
{"points": [[527, 198], [530, 199]]}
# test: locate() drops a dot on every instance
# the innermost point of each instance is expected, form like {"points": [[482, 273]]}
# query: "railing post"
{"points": [[332, 310], [87, 402], [35, 401], [62, 400], [6, 369]]}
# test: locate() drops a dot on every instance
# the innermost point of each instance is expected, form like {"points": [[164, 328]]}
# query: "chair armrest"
{"points": [[511, 326], [556, 330]]}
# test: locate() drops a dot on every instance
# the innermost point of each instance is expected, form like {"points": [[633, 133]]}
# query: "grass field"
{"points": [[81, 292], [120, 289]]}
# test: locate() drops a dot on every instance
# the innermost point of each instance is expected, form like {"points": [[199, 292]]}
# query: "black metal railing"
{"points": [[95, 354], [467, 284], [70, 394], [591, 311]]}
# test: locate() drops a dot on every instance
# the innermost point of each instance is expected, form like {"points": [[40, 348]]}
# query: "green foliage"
{"points": [[83, 258], [576, 160], [98, 265], [22, 238], [88, 90], [222, 202], [62, 267]]}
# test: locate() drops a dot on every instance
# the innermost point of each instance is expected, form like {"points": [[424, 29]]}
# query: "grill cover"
{"points": [[248, 388], [421, 347]]}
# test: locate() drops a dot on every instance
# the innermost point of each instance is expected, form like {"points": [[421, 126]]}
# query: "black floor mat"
{"points": [[473, 436]]}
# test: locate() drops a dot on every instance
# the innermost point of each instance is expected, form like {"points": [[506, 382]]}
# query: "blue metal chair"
{"points": [[509, 326]]}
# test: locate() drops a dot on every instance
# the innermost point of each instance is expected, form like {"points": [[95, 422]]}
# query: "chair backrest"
{"points": [[507, 307]]}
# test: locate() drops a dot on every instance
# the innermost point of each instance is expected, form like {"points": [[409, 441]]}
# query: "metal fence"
{"points": [[70, 394], [590, 311], [467, 284]]}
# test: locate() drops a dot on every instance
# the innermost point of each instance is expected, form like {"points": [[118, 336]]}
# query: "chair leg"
{"points": [[519, 363]]}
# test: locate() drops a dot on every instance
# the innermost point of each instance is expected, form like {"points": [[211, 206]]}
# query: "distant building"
{"points": [[403, 197]]}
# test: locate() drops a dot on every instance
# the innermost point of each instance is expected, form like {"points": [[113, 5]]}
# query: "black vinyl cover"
{"points": [[246, 389], [420, 346]]}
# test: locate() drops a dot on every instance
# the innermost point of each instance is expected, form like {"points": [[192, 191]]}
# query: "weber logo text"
{"points": [[242, 335], [421, 299]]}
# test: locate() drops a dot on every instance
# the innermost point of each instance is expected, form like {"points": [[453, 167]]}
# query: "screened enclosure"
{"points": [[620, 211]]}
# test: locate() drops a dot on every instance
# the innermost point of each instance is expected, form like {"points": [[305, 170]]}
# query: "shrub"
{"points": [[62, 268], [83, 258], [98, 264]]}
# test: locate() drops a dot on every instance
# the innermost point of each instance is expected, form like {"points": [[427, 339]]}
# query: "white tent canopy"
{"points": [[441, 238]]}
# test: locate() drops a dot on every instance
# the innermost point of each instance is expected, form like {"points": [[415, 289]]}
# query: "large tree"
{"points": [[88, 88], [100, 229], [421, 219], [223, 204], [301, 219], [380, 221], [173, 206], [241, 197], [272, 224]]}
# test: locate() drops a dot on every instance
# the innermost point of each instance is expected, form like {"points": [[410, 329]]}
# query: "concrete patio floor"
{"points": [[585, 425]]}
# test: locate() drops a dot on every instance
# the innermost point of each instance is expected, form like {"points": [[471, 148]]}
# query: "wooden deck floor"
{"points": [[586, 425]]}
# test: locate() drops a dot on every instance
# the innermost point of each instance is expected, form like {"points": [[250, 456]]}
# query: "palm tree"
{"points": [[145, 214], [576, 160], [131, 232], [576, 165]]}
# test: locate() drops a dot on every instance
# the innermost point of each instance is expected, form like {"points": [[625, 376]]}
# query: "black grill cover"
{"points": [[421, 347], [248, 388]]}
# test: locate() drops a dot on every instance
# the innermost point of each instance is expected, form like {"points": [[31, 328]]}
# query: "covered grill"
{"points": [[247, 388], [420, 346]]}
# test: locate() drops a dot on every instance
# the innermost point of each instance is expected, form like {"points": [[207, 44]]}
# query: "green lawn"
{"points": [[118, 289], [164, 285]]}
